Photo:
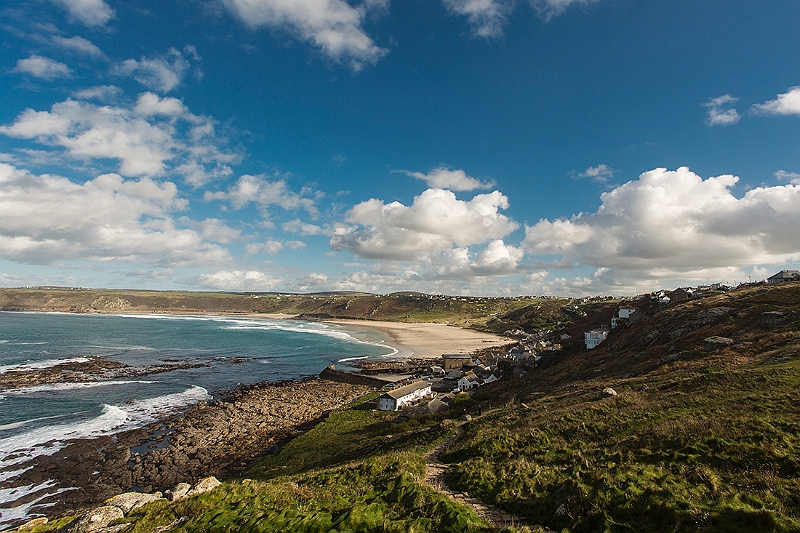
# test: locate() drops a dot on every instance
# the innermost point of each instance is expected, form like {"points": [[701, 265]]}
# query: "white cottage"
{"points": [[594, 337], [396, 399]]}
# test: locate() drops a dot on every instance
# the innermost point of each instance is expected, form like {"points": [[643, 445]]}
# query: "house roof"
{"points": [[406, 390], [456, 356], [785, 274]]}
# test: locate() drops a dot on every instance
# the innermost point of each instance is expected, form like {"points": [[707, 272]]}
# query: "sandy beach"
{"points": [[429, 340]]}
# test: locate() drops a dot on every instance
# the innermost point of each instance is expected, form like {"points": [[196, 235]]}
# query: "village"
{"points": [[433, 389]]}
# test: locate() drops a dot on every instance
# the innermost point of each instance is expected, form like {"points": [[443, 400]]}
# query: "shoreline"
{"points": [[219, 437]]}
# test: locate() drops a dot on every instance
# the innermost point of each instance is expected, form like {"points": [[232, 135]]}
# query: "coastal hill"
{"points": [[685, 421], [491, 314]]}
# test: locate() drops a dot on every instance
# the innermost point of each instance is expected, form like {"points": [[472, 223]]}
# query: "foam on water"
{"points": [[48, 440], [40, 365], [22, 512], [59, 387]]}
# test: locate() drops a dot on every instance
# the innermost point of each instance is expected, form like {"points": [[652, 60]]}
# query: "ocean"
{"points": [[235, 351]]}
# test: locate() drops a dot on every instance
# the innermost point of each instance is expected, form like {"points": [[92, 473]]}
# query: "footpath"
{"points": [[434, 477]]}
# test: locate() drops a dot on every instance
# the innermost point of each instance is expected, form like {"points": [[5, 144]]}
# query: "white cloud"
{"points": [[547, 9], [333, 26], [79, 45], [302, 228], [435, 222], [160, 73], [212, 229], [601, 173], [792, 177], [154, 137], [89, 12], [238, 280], [263, 192], [785, 104], [99, 92], [718, 115], [272, 246], [46, 219], [486, 18], [497, 259], [42, 67], [672, 222], [454, 180]]}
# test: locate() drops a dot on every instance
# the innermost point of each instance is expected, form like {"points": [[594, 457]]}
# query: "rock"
{"points": [[716, 343], [30, 524], [468, 418], [771, 319], [128, 501], [204, 485], [562, 510], [179, 491], [608, 391], [96, 519]]}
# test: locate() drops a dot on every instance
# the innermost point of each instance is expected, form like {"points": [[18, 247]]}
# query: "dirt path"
{"points": [[434, 476]]}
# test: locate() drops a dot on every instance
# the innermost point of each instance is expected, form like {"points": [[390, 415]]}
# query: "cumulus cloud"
{"points": [[435, 221], [601, 173], [45, 219], [89, 12], [787, 103], [79, 45], [718, 115], [160, 73], [155, 136], [272, 246], [496, 259], [335, 27], [486, 18], [792, 177], [237, 280], [42, 67], [99, 92], [212, 229], [455, 180], [547, 9], [263, 192], [672, 222]]}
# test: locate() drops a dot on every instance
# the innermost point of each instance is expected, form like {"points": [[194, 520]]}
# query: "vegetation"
{"points": [[693, 440]]}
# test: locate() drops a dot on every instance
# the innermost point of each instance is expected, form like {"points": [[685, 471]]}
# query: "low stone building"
{"points": [[455, 360], [396, 399]]}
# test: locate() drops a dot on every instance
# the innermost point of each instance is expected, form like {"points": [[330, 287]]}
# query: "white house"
{"points": [[396, 399], [468, 381], [784, 275], [594, 337]]}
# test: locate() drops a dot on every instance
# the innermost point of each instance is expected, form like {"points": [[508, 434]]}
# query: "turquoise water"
{"points": [[237, 351]]}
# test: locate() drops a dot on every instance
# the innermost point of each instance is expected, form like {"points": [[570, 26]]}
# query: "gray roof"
{"points": [[406, 390]]}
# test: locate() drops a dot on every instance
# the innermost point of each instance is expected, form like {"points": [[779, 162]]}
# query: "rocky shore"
{"points": [[92, 369], [218, 438]]}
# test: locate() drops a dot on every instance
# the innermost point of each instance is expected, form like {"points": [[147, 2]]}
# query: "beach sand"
{"points": [[429, 340]]}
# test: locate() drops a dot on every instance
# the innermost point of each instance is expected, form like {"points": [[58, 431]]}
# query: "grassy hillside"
{"points": [[488, 314], [693, 440]]}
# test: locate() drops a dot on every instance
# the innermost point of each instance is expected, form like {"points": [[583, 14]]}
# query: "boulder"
{"points": [[30, 524], [716, 343], [608, 391], [178, 491], [128, 501], [771, 319], [96, 519], [204, 485]]}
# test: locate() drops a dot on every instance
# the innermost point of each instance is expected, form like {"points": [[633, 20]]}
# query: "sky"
{"points": [[463, 147]]}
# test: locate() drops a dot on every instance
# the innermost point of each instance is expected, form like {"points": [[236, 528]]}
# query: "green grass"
{"points": [[711, 451]]}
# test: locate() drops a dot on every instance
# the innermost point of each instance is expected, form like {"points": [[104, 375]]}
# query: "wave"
{"points": [[58, 387], [48, 440], [21, 512], [40, 365]]}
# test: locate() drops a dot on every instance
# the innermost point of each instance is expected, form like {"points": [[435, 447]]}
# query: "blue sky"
{"points": [[483, 147]]}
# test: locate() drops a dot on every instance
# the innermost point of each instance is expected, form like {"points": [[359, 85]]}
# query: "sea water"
{"points": [[233, 351]]}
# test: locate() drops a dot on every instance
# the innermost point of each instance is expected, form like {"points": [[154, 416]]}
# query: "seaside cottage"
{"points": [[784, 275], [455, 360], [396, 399], [594, 337]]}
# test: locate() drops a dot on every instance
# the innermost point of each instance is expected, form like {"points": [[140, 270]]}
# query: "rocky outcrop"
{"points": [[716, 343], [96, 520], [128, 501]]}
